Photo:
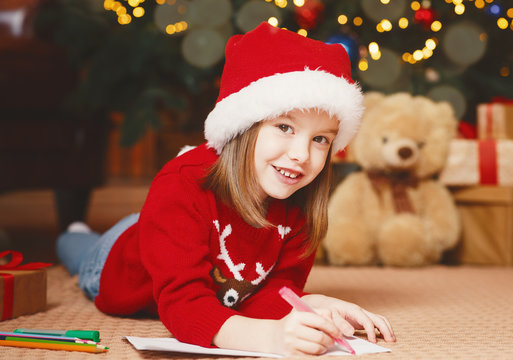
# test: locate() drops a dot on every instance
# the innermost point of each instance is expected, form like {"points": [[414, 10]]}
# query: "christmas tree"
{"points": [[138, 57]]}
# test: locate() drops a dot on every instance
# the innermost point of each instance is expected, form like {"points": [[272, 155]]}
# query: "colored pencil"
{"points": [[298, 304], [81, 334], [53, 346], [12, 338], [45, 337]]}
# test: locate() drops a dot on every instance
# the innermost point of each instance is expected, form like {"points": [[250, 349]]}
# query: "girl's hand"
{"points": [[349, 317], [305, 333]]}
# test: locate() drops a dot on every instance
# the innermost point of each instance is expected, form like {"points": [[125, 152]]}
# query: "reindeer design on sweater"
{"points": [[234, 290]]}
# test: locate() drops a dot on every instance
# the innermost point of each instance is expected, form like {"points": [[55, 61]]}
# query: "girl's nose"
{"points": [[299, 150]]}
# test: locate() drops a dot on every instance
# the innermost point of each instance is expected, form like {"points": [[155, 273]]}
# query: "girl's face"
{"points": [[291, 150]]}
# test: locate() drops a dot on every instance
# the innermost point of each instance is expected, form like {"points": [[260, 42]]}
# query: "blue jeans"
{"points": [[85, 253]]}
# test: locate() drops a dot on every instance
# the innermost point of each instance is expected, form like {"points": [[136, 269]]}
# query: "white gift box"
{"points": [[474, 162]]}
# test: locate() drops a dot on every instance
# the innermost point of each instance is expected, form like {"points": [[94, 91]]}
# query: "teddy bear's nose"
{"points": [[405, 152]]}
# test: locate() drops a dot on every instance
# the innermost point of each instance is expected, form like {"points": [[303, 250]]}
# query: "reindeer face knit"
{"points": [[195, 262]]}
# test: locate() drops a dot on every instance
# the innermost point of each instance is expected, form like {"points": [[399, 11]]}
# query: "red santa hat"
{"points": [[270, 71]]}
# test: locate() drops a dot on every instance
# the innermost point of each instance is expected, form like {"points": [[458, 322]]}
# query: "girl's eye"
{"points": [[321, 139], [285, 128]]}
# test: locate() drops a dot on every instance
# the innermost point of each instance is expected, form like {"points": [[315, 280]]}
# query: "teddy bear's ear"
{"points": [[446, 111], [372, 98]]}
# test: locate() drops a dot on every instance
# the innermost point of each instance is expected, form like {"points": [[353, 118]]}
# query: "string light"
{"points": [[403, 23], [358, 21], [373, 47], [427, 53], [431, 44], [374, 51], [273, 21], [421, 54], [281, 3], [436, 26], [502, 23], [363, 65], [121, 11], [386, 25], [302, 32], [342, 19], [124, 19], [176, 28], [459, 9], [418, 55], [138, 12], [115, 6]]}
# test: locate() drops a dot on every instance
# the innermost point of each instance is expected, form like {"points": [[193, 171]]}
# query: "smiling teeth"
{"points": [[286, 173]]}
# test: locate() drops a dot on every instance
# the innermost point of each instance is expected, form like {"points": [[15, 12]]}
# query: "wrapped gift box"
{"points": [[475, 162], [495, 121], [22, 287], [486, 214], [22, 292]]}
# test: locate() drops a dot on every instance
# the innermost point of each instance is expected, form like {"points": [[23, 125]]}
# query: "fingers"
{"points": [[322, 321], [345, 327], [308, 333], [349, 317], [360, 317], [363, 319], [307, 340], [382, 324]]}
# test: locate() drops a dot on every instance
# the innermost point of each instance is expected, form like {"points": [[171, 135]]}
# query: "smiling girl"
{"points": [[229, 223]]}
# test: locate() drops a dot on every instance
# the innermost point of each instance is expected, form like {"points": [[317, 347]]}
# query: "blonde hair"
{"points": [[233, 179]]}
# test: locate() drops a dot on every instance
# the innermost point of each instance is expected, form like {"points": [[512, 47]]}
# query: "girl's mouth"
{"points": [[288, 173]]}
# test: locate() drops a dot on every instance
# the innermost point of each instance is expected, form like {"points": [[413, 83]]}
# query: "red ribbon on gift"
{"points": [[502, 100], [466, 130], [14, 264], [488, 162]]}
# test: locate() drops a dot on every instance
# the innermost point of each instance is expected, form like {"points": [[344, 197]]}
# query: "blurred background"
{"points": [[96, 96]]}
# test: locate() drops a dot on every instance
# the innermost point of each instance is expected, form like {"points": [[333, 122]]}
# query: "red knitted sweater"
{"points": [[193, 260]]}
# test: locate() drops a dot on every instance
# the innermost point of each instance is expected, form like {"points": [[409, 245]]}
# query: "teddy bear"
{"points": [[394, 211]]}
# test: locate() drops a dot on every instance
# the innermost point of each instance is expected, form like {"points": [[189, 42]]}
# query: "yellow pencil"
{"points": [[51, 346]]}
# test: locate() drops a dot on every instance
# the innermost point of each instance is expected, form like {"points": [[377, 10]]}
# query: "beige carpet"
{"points": [[437, 312]]}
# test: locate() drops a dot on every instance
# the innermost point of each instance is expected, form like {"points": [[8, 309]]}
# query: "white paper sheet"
{"points": [[360, 346]]}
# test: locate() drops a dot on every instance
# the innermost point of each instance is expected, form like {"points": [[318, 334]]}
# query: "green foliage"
{"points": [[138, 70]]}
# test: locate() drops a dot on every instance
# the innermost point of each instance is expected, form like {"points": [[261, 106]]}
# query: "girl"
{"points": [[229, 223]]}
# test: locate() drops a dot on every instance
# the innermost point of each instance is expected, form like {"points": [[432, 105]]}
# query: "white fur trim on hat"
{"points": [[280, 93]]}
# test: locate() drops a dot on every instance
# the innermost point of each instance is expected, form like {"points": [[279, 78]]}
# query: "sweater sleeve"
{"points": [[291, 270], [174, 243]]}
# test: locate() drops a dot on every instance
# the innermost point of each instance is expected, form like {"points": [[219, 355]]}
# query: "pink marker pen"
{"points": [[296, 302]]}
